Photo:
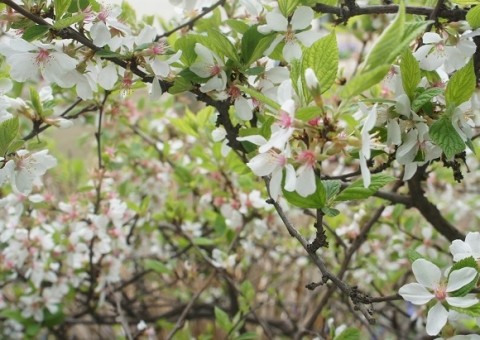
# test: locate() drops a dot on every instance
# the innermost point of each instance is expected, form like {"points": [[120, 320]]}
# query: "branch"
{"points": [[429, 210], [346, 12]]}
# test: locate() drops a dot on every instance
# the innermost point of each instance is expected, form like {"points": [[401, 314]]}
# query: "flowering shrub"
{"points": [[250, 169]]}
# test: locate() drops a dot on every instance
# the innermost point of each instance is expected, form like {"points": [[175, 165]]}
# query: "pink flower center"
{"points": [[159, 48], [215, 69], [103, 15], [42, 56], [234, 92], [441, 292], [286, 120], [282, 160], [307, 157]]}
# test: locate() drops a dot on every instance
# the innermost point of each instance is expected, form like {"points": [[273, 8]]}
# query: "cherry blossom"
{"points": [[468, 248], [431, 286]]}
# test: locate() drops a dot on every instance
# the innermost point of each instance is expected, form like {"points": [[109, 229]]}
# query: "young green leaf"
{"points": [[364, 80], [461, 85], [322, 58], [410, 71], [314, 201], [156, 266], [8, 131], [348, 334], [60, 7], [357, 190], [222, 319], [446, 137], [473, 17], [35, 32], [425, 97], [413, 255], [68, 21], [287, 6], [260, 97], [381, 51]]}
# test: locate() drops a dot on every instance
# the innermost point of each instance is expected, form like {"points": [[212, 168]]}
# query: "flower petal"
{"points": [[463, 301], [436, 319], [415, 293], [461, 277], [302, 18], [426, 273]]}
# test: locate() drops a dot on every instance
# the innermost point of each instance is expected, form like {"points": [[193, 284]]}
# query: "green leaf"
{"points": [[314, 201], [332, 188], [222, 319], [357, 190], [468, 262], [186, 44], [156, 266], [260, 97], [287, 6], [78, 5], [35, 32], [322, 58], [108, 54], [247, 336], [307, 113], [461, 85], [381, 52], [180, 85], [220, 44], [36, 103], [60, 7], [473, 311], [446, 137], [68, 21], [413, 255], [425, 97], [348, 334], [8, 131], [203, 241], [254, 44], [364, 80], [466, 2], [237, 25], [411, 73], [473, 17], [330, 212]]}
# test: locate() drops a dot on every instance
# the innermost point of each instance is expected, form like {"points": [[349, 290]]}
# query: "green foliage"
{"points": [[254, 44], [322, 58], [357, 190], [443, 133], [413, 255], [61, 7], [8, 131], [35, 32], [260, 97], [461, 85], [410, 71], [384, 50], [223, 320], [67, 21], [364, 80], [287, 6], [473, 17], [156, 266], [468, 262], [473, 311], [425, 97], [314, 201], [348, 334]]}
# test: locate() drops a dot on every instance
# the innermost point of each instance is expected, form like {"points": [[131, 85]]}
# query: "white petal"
{"points": [[243, 109], [367, 177], [415, 293], [204, 53], [276, 21], [255, 139], [292, 51], [160, 68], [302, 18], [431, 38], [460, 250], [426, 273], [394, 134], [290, 178], [276, 183], [307, 38], [156, 91], [100, 34], [410, 170], [436, 319], [263, 164], [284, 94], [473, 240], [461, 277], [108, 76], [462, 302], [305, 185], [403, 105]]}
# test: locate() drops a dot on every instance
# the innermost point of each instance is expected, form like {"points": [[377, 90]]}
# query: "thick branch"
{"points": [[429, 210]]}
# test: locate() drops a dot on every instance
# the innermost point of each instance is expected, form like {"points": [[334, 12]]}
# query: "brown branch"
{"points": [[429, 210]]}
